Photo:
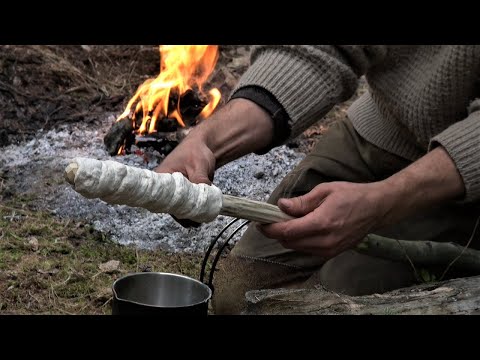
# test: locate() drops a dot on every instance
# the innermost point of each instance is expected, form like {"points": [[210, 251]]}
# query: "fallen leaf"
{"points": [[317, 130], [243, 51], [110, 266], [230, 80], [239, 62]]}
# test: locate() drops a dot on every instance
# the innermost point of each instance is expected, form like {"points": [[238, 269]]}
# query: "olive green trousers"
{"points": [[257, 262]]}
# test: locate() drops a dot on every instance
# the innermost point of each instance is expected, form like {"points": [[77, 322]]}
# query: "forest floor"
{"points": [[53, 264]]}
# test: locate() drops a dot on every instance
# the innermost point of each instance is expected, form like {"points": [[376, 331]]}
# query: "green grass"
{"points": [[61, 275]]}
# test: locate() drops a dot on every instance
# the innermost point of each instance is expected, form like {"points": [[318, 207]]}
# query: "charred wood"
{"points": [[119, 134]]}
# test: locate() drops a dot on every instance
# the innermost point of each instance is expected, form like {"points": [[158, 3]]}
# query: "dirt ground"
{"points": [[42, 87], [52, 265]]}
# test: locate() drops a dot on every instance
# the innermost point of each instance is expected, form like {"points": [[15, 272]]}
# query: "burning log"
{"points": [[121, 133], [116, 183], [164, 143], [167, 125], [172, 101], [191, 105]]}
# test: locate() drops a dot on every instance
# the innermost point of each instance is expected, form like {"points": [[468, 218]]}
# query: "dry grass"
{"points": [[52, 266]]}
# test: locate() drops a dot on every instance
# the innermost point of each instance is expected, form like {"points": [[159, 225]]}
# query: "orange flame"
{"points": [[215, 99], [182, 68], [121, 150]]}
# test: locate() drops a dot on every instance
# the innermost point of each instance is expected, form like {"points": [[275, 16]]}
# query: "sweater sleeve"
{"points": [[462, 142], [308, 80]]}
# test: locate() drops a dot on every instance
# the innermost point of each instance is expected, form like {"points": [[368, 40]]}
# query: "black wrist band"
{"points": [[280, 118]]}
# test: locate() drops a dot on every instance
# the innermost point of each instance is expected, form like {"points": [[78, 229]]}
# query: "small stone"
{"points": [[275, 172], [259, 174], [145, 268], [33, 242], [17, 81]]}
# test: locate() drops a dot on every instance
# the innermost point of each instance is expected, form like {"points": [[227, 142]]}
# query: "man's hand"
{"points": [[239, 128], [331, 218], [192, 158], [334, 217], [198, 166]]}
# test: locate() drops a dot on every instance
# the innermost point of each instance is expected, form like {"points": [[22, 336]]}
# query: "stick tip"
{"points": [[70, 172]]}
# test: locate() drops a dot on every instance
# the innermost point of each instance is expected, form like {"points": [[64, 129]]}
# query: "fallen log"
{"points": [[119, 133], [453, 297]]}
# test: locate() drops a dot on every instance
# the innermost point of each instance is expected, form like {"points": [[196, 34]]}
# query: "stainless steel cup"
{"points": [[153, 293]]}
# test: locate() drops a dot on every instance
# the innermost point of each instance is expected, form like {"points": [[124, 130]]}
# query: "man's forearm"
{"points": [[239, 128], [431, 180]]}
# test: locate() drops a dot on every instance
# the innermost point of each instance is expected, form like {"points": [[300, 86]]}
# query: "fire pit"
{"points": [[163, 109], [71, 121], [44, 158]]}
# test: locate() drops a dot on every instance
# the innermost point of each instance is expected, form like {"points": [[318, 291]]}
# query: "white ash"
{"points": [[37, 167]]}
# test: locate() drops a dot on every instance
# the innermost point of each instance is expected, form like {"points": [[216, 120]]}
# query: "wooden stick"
{"points": [[231, 206], [252, 210], [420, 252]]}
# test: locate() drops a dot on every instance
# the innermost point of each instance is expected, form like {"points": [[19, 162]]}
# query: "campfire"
{"points": [[163, 110]]}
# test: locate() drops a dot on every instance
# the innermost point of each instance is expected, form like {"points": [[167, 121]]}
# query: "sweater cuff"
{"points": [[266, 100], [306, 91], [462, 142]]}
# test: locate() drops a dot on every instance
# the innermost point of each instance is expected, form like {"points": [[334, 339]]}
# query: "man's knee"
{"points": [[236, 275], [356, 274]]}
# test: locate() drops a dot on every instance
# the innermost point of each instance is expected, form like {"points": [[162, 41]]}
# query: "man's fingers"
{"points": [[194, 176], [302, 205], [306, 226], [199, 178], [163, 169], [320, 246]]}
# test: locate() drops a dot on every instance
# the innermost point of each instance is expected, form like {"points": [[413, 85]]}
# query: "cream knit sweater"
{"points": [[420, 96]]}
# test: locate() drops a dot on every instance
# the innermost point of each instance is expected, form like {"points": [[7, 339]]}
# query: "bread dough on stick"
{"points": [[116, 183]]}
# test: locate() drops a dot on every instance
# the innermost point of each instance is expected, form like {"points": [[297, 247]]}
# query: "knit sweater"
{"points": [[419, 96]]}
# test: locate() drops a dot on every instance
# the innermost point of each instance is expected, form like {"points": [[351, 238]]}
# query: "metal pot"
{"points": [[159, 294], [154, 293]]}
